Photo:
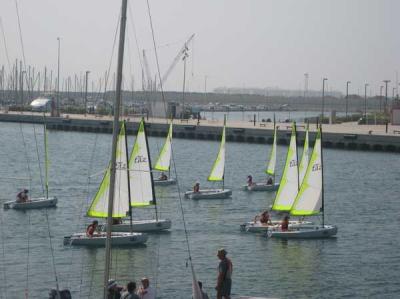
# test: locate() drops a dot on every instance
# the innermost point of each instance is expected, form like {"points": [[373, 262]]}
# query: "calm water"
{"points": [[362, 198]]}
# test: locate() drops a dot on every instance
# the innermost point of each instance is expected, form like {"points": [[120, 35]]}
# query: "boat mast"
{"points": [[322, 175], [114, 143], [297, 157], [273, 146], [151, 173], [223, 175], [128, 174], [46, 163]]}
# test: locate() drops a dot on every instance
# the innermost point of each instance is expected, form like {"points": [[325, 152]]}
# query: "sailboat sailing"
{"points": [[288, 188], [270, 184], [99, 205], [40, 202], [309, 201], [164, 161], [142, 192], [216, 175]]}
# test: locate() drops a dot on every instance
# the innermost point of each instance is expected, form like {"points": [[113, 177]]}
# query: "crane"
{"points": [[182, 52]]}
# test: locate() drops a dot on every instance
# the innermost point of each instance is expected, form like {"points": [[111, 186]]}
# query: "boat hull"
{"points": [[209, 194], [34, 203], [258, 227], [99, 240], [168, 182], [142, 226], [311, 232], [261, 187]]}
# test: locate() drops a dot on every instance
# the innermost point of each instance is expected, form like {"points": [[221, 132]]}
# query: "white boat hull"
{"points": [[261, 187], [99, 239], [168, 182], [209, 194], [310, 232], [258, 227], [34, 203], [141, 226]]}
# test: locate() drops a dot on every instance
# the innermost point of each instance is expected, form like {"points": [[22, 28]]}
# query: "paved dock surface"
{"points": [[348, 135]]}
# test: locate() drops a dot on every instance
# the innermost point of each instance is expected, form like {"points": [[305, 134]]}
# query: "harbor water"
{"points": [[361, 198]]}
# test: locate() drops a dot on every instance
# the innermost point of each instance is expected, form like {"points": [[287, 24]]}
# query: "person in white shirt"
{"points": [[146, 291]]}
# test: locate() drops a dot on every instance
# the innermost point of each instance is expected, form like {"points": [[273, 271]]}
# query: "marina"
{"points": [[277, 145]]}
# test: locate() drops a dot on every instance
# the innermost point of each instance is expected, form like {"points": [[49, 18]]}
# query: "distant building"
{"points": [[395, 115]]}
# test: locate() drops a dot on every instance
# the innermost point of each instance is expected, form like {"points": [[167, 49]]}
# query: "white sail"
{"points": [[272, 159], [142, 193], [308, 200], [289, 184], [218, 169], [99, 206], [196, 292], [304, 159], [164, 159]]}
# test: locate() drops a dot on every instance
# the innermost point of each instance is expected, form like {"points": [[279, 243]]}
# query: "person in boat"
{"points": [[224, 279], [163, 177], [146, 291], [250, 180], [113, 290], [116, 221], [91, 229], [196, 188], [285, 223], [22, 196], [264, 218], [270, 181], [129, 293]]}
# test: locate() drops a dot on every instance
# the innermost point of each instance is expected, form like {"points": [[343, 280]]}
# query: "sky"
{"points": [[242, 44]]}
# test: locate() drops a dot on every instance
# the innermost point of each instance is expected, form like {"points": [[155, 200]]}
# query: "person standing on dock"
{"points": [[224, 279]]}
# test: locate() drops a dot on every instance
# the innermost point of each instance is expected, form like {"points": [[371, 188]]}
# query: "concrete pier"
{"points": [[342, 136]]}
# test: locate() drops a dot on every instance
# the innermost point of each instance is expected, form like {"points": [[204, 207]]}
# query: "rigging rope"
{"points": [[27, 258], [52, 251], [3, 255], [172, 152]]}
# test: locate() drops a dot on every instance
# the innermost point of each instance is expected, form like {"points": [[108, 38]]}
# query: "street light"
{"points": [[365, 102], [386, 99], [380, 100], [347, 96], [323, 98]]}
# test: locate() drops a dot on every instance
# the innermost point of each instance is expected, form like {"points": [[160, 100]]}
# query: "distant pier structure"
{"points": [[343, 136]]}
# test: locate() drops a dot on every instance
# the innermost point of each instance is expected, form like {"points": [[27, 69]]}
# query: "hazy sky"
{"points": [[253, 43]]}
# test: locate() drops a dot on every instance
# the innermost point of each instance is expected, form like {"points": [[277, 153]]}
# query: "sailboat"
{"points": [[270, 171], [141, 187], [121, 206], [288, 188], [39, 202], [309, 201], [164, 161], [217, 174]]}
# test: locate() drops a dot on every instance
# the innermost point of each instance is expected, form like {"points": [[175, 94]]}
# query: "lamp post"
{"points": [[58, 79], [86, 88], [323, 98], [347, 96], [365, 102], [380, 99], [386, 98]]}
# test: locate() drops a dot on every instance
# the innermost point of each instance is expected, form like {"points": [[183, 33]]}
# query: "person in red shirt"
{"points": [[92, 228], [285, 223]]}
